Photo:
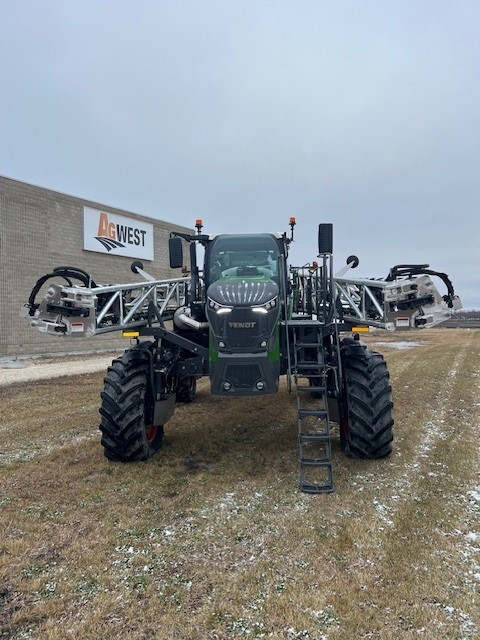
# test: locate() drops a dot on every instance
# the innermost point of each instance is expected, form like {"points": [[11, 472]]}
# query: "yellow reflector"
{"points": [[131, 334], [361, 329]]}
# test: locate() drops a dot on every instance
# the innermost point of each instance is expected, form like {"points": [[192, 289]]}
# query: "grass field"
{"points": [[211, 538]]}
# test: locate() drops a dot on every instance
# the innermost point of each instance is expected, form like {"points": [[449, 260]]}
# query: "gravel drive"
{"points": [[14, 371]]}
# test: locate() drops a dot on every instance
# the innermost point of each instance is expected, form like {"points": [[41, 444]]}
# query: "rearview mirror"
{"points": [[175, 249], [325, 238]]}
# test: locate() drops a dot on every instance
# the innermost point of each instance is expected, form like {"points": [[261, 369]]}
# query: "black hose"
{"points": [[409, 270], [75, 272], [59, 272]]}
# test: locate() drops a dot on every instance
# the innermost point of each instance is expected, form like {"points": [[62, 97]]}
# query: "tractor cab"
{"points": [[243, 291], [241, 294], [242, 256]]}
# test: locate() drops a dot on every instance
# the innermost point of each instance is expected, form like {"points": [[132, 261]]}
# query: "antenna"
{"points": [[292, 223]]}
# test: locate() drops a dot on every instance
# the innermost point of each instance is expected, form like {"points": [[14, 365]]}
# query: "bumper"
{"points": [[244, 374]]}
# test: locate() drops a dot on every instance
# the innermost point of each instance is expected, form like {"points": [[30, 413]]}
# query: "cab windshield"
{"points": [[243, 256]]}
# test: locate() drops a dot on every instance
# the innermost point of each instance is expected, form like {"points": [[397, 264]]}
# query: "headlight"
{"points": [[265, 308], [218, 308]]}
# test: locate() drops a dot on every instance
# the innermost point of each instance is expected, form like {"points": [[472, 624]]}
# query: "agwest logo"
{"points": [[116, 236]]}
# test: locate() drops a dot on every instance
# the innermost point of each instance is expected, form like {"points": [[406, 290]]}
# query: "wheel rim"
{"points": [[151, 433]]}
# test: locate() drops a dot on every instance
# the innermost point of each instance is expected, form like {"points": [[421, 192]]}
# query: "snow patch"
{"points": [[383, 511], [401, 344]]}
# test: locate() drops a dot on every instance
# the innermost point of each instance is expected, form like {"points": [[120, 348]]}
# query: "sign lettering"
{"points": [[116, 235]]}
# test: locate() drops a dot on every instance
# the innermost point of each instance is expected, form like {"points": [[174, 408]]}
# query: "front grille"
{"points": [[243, 293], [243, 375], [247, 337]]}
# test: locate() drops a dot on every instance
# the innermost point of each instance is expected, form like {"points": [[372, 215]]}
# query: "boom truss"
{"points": [[407, 301], [84, 311]]}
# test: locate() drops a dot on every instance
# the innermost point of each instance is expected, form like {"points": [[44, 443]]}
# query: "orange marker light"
{"points": [[293, 221], [199, 222]]}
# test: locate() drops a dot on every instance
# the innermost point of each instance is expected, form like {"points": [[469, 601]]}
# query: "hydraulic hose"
{"points": [[409, 270], [64, 272]]}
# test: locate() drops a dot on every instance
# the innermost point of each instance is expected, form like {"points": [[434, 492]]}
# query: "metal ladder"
{"points": [[315, 450]]}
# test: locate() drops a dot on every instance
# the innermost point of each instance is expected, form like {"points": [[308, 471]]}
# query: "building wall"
{"points": [[41, 229]]}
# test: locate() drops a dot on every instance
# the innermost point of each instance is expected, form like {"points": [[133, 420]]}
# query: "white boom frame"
{"points": [[82, 311]]}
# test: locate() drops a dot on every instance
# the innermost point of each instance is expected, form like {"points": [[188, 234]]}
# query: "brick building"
{"points": [[41, 229]]}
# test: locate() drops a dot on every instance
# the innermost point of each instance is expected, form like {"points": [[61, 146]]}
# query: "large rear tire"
{"points": [[365, 405], [127, 409]]}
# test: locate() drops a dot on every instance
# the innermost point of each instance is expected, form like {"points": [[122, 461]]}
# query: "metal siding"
{"points": [[41, 229]]}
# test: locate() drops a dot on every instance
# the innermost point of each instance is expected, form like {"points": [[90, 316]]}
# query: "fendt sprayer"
{"points": [[244, 320]]}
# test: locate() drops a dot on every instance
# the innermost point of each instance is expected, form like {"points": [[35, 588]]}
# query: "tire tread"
{"points": [[122, 411], [369, 402]]}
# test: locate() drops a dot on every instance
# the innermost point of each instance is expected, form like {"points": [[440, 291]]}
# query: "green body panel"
{"points": [[213, 353], [274, 354], [273, 350]]}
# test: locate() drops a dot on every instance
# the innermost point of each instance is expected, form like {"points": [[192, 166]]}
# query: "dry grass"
{"points": [[211, 538]]}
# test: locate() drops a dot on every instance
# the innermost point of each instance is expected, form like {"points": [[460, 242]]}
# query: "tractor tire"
{"points": [[128, 432], [187, 390], [365, 405]]}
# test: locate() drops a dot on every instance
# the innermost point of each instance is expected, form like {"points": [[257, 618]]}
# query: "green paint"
{"points": [[274, 354], [213, 352]]}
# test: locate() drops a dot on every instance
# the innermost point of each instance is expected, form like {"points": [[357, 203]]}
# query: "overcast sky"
{"points": [[244, 113]]}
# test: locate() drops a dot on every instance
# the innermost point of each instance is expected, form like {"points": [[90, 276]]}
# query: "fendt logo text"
{"points": [[114, 236], [242, 325]]}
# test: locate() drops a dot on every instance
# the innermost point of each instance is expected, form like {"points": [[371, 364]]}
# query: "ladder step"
{"points": [[307, 365], [314, 437], [316, 488], [316, 462], [306, 345], [312, 388], [306, 413], [299, 322]]}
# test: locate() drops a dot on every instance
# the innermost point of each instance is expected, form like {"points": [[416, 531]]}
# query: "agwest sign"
{"points": [[116, 235]]}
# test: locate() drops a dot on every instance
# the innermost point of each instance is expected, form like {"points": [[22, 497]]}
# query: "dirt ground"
{"points": [[211, 539], [43, 368]]}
